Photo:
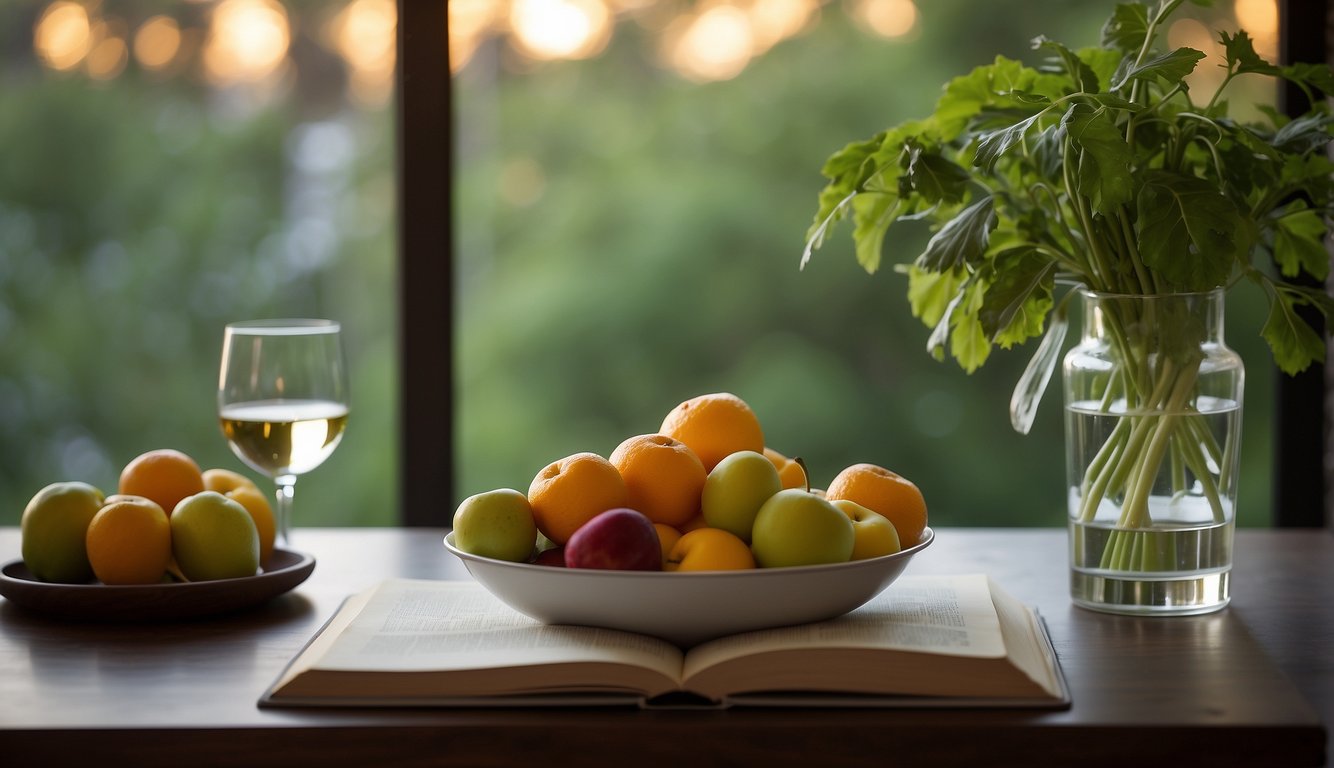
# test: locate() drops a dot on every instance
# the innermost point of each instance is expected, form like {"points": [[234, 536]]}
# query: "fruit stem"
{"points": [[805, 473]]}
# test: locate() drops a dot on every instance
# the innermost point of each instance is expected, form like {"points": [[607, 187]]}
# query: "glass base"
{"points": [[1175, 595]]}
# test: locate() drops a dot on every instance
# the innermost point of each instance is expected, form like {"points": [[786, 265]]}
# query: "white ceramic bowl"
{"points": [[687, 608]]}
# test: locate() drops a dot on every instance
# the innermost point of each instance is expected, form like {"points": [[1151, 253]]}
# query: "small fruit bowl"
{"points": [[97, 602], [687, 608]]}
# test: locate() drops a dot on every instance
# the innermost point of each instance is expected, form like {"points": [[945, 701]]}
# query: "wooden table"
{"points": [[1252, 685]]}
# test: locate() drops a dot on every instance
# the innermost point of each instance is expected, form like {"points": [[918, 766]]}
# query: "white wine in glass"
{"points": [[282, 400]]}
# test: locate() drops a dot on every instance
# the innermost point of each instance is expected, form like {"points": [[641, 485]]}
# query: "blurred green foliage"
{"points": [[137, 218]]}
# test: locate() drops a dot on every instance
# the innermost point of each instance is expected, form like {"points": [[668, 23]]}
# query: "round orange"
{"points": [[663, 477], [791, 474], [714, 426], [571, 491], [129, 541], [166, 476], [886, 492], [224, 480]]}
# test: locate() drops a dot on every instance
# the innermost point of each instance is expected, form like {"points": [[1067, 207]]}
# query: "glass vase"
{"points": [[1153, 429]]}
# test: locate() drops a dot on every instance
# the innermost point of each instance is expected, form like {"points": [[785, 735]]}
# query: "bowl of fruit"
{"points": [[690, 533], [173, 542]]}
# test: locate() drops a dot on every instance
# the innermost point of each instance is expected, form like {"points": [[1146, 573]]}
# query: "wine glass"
{"points": [[282, 399]]}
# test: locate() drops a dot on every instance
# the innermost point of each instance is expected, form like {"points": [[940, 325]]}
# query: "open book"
{"points": [[924, 641]]}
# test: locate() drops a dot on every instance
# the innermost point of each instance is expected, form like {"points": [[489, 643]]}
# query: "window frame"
{"points": [[425, 266]]}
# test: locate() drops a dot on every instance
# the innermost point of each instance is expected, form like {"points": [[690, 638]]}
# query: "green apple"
{"points": [[735, 490], [497, 524], [874, 534], [797, 527], [214, 537], [53, 530]]}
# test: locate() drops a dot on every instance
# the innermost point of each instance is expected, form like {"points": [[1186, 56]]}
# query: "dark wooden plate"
{"points": [[154, 602]]}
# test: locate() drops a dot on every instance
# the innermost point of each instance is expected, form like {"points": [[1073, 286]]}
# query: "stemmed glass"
{"points": [[282, 399]]}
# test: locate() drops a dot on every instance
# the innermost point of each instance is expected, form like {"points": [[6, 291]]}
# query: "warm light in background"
{"points": [[715, 45], [63, 35], [108, 56], [772, 21], [1207, 76], [157, 42], [560, 29], [247, 40], [469, 21], [364, 35], [1260, 19], [887, 18]]}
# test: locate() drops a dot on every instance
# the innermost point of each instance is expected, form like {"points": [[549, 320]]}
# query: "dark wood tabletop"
{"points": [[1252, 685]]}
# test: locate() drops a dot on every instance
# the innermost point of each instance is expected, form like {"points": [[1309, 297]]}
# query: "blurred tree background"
{"points": [[628, 224], [169, 168]]}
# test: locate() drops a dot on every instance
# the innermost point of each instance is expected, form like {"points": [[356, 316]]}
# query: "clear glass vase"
{"points": [[1153, 430]]}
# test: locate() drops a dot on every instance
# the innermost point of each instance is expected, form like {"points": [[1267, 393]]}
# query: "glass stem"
{"points": [[286, 490]]}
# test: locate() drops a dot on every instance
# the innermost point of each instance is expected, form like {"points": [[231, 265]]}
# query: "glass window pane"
{"points": [[170, 167], [635, 181]]}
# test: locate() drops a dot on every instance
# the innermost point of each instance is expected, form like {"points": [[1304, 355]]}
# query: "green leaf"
{"points": [[848, 162], [963, 239], [1303, 134], [1082, 77], [1241, 55], [930, 293], [968, 340], [983, 88], [1294, 343], [936, 178], [872, 213], [1033, 381], [1127, 27], [1309, 75], [1171, 67], [1102, 61], [832, 208], [1019, 295], [1188, 231], [1299, 244], [1046, 152], [992, 145], [1104, 175]]}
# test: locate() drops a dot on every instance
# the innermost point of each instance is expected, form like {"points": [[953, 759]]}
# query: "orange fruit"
{"points": [[166, 476], [224, 480], [571, 491], [257, 504], [714, 426], [709, 549], [883, 491], [667, 538], [663, 477], [129, 541], [790, 472]]}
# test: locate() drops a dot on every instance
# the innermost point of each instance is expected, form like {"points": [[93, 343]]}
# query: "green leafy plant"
{"points": [[1099, 168]]}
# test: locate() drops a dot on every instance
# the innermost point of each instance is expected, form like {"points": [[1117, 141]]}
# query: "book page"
{"points": [[419, 625], [947, 615], [1030, 657]]}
